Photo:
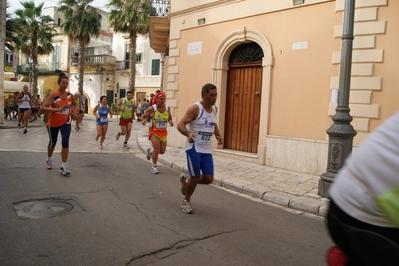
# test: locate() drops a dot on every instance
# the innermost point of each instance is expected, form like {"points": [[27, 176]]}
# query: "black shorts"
{"points": [[22, 110]]}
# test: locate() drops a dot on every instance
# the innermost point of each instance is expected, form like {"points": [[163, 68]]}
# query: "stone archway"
{"points": [[220, 74], [50, 84]]}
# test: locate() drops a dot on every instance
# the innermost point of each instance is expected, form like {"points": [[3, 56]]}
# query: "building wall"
{"points": [[301, 67], [145, 81]]}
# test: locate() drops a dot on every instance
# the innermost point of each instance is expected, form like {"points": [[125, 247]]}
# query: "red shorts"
{"points": [[160, 134], [123, 122]]}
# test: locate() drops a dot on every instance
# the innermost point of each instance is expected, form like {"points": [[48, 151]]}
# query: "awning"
{"points": [[14, 86]]}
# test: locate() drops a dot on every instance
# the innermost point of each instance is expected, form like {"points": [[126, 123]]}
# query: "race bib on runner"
{"points": [[161, 124], [65, 111], [203, 137], [128, 107], [104, 119]]}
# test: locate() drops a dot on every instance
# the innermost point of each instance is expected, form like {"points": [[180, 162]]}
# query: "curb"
{"points": [[308, 203]]}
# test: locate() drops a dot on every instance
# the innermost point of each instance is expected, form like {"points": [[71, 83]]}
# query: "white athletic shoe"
{"points": [[154, 170], [186, 207], [64, 170], [149, 153], [49, 164]]}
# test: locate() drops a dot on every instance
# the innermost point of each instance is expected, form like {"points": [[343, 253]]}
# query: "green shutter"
{"points": [[155, 67]]}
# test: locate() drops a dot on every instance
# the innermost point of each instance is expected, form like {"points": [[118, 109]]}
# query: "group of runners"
{"points": [[23, 107], [367, 211], [198, 125]]}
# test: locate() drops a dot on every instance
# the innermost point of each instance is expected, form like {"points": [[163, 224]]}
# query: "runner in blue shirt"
{"points": [[101, 112]]}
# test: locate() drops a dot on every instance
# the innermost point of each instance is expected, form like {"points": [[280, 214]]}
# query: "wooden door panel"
{"points": [[243, 108]]}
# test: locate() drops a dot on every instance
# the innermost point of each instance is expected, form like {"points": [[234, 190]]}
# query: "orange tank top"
{"points": [[58, 119]]}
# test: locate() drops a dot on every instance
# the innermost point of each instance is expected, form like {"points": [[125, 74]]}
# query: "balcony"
{"points": [[159, 26], [45, 69], [95, 60]]}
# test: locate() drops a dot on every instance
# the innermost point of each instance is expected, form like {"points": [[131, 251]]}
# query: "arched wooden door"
{"points": [[243, 99]]}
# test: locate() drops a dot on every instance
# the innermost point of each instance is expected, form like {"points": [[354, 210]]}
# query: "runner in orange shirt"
{"points": [[62, 108]]}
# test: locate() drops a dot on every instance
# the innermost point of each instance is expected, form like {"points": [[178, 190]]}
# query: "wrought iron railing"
{"points": [[161, 7]]}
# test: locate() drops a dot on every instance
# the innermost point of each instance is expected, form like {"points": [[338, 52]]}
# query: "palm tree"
{"points": [[130, 17], [34, 32], [10, 38], [80, 22]]}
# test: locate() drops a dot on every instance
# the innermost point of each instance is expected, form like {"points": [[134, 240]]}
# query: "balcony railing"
{"points": [[45, 68], [161, 7], [95, 60]]}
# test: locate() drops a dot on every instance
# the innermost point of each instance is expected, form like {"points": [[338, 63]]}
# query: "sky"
{"points": [[15, 4]]}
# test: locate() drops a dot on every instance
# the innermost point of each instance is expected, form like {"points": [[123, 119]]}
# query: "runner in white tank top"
{"points": [[198, 125]]}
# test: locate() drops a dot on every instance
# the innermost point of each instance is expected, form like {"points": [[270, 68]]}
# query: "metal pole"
{"points": [[341, 133]]}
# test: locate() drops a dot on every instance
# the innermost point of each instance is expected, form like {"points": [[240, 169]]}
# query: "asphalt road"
{"points": [[132, 217]]}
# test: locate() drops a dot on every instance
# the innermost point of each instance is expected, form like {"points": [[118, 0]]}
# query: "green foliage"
{"points": [[130, 17], [32, 29], [80, 22], [33, 34]]}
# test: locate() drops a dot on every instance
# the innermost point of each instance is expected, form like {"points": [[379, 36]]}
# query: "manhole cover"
{"points": [[46, 208]]}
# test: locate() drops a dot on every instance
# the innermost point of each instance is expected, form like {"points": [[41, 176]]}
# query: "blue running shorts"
{"points": [[198, 163]]}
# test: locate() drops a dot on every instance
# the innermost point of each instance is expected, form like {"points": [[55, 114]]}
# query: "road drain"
{"points": [[46, 208]]}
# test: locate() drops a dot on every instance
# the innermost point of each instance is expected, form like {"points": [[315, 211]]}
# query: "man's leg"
{"points": [[127, 132], [156, 145], [26, 116], [156, 149], [197, 163]]}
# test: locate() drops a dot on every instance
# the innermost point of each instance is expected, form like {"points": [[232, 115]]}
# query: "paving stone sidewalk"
{"points": [[296, 191]]}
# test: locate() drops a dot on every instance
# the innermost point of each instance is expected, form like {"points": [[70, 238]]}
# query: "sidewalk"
{"points": [[292, 190], [297, 191]]}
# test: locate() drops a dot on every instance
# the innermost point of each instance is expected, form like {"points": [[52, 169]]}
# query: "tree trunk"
{"points": [[3, 9], [81, 65], [132, 60], [34, 71]]}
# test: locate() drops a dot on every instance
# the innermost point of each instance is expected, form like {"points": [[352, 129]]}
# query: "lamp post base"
{"points": [[324, 186]]}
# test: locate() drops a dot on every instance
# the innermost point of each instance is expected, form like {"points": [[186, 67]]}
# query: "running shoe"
{"points": [[154, 169], [149, 153], [64, 170], [77, 128], [125, 145], [19, 125], [186, 207], [183, 180], [49, 164], [100, 146], [117, 136], [25, 130]]}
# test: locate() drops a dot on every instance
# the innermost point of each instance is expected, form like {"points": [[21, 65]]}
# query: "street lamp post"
{"points": [[341, 133]]}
